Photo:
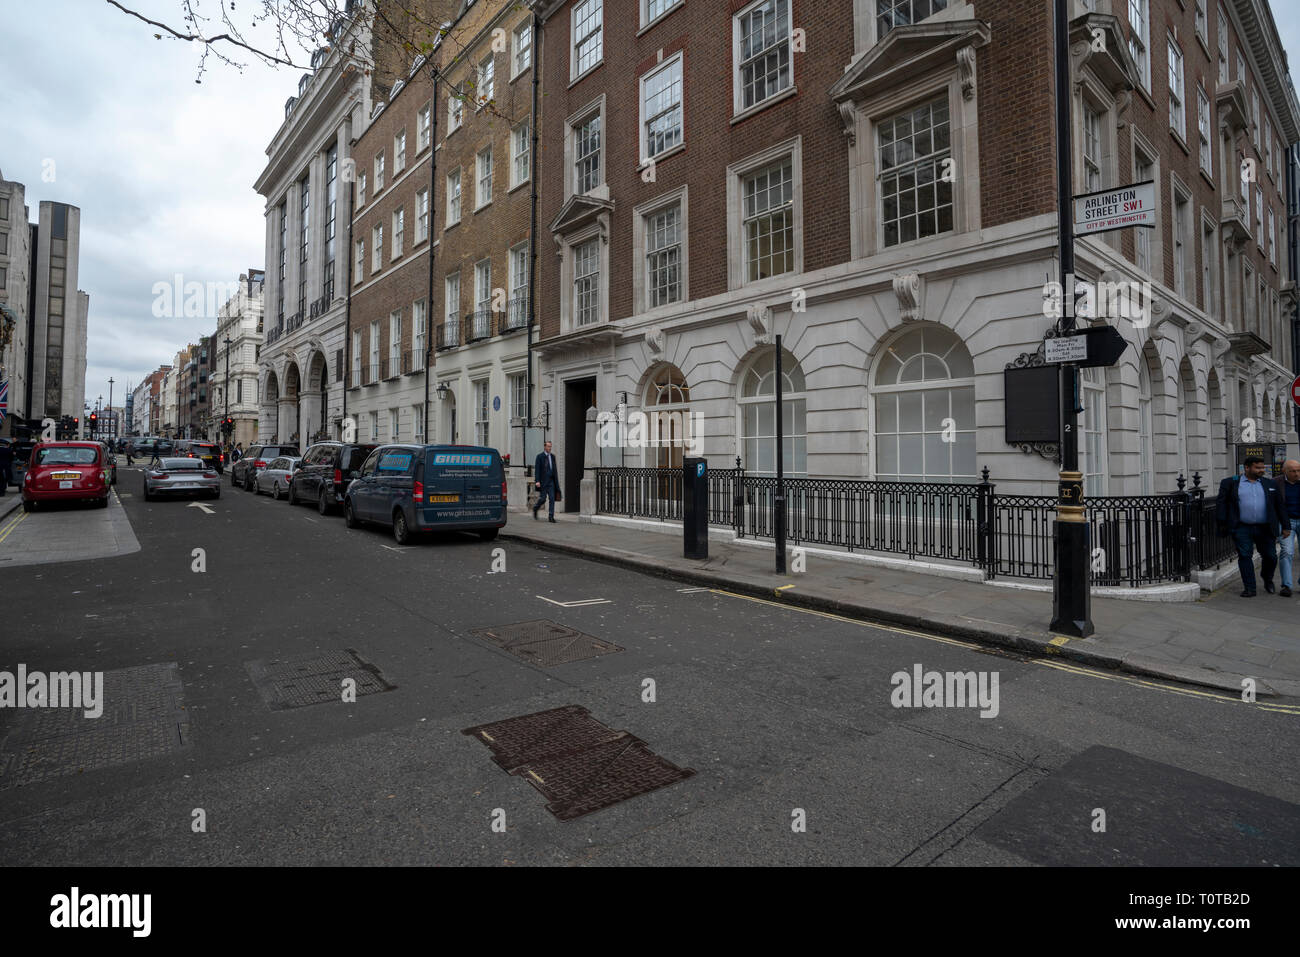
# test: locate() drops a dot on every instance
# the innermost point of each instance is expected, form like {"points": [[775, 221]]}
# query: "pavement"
{"points": [[1217, 641]]}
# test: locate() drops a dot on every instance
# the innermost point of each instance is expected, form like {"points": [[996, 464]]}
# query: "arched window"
{"points": [[1094, 447], [667, 403], [1145, 429], [757, 403], [925, 408]]}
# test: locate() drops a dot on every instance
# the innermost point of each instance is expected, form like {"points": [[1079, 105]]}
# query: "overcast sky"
{"points": [[161, 167]]}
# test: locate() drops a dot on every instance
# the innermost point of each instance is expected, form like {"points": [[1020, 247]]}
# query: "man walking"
{"points": [[1250, 510], [1290, 486], [548, 482]]}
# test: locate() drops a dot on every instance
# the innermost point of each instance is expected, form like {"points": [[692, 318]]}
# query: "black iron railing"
{"points": [[1135, 540]]}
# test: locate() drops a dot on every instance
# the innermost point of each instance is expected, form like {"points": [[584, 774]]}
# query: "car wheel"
{"points": [[250, 484], [147, 497], [293, 496], [102, 503], [275, 492], [216, 492], [233, 483], [322, 503], [29, 506], [488, 534], [401, 532], [350, 516]]}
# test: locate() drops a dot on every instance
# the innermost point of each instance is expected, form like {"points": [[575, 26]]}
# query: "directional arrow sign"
{"points": [[206, 510], [1104, 346]]}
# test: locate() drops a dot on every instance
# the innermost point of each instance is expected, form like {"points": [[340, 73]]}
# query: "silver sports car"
{"points": [[175, 476]]}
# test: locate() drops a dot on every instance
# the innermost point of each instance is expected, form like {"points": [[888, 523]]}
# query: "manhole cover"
{"points": [[313, 679], [546, 643], [577, 763], [545, 734]]}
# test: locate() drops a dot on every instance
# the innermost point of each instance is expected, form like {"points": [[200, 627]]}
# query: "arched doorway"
{"points": [[757, 408], [290, 422], [270, 418], [667, 404], [315, 401]]}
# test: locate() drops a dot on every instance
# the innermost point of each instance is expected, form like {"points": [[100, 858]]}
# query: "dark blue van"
{"points": [[422, 488]]}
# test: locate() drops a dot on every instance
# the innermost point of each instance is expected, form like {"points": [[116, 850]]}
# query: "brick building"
{"points": [[875, 182]]}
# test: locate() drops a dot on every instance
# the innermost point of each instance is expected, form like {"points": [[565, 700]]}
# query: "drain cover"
{"points": [[577, 763], [313, 679], [546, 643]]}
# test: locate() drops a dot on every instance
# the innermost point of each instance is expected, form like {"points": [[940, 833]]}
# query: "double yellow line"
{"points": [[14, 523]]}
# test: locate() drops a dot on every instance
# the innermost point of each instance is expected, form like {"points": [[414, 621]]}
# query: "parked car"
{"points": [[66, 471], [275, 478], [419, 488], [209, 452], [176, 475], [110, 459], [255, 457], [152, 446], [326, 470]]}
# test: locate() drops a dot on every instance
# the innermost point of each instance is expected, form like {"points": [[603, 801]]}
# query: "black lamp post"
{"points": [[225, 428]]}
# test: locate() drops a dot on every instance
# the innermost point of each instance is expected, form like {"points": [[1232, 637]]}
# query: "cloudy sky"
{"points": [[162, 167]]}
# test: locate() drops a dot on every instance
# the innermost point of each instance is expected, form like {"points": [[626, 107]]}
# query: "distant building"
{"points": [[15, 278], [56, 360], [234, 375]]}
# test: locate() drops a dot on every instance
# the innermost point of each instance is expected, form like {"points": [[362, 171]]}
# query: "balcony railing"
{"points": [[374, 372], [478, 325], [516, 316], [449, 332]]}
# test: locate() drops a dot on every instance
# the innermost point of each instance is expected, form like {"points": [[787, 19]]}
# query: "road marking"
{"points": [[1076, 669], [691, 591], [12, 525], [781, 588], [582, 602], [389, 547], [206, 510], [312, 520]]}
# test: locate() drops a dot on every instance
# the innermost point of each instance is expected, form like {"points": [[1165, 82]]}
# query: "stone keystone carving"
{"points": [[654, 338], [910, 290], [966, 71], [760, 321]]}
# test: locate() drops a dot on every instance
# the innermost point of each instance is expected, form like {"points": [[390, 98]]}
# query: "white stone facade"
{"points": [[235, 392]]}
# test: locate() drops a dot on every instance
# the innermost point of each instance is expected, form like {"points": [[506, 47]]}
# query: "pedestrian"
{"points": [[1250, 508], [130, 453], [238, 452], [1290, 486], [6, 465], [547, 481]]}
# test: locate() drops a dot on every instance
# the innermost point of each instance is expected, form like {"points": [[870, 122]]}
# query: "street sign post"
{"points": [[1118, 208], [1089, 348]]}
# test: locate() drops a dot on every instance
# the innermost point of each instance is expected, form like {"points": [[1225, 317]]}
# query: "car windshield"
{"points": [[66, 455], [180, 465], [204, 449]]}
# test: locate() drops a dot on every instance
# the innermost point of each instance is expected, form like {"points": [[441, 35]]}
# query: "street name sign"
{"points": [[1094, 346], [1117, 208]]}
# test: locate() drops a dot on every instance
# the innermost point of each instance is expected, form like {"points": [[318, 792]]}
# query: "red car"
{"points": [[64, 471]]}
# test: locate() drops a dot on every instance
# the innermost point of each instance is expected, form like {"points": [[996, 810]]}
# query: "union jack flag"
{"points": [[4, 399]]}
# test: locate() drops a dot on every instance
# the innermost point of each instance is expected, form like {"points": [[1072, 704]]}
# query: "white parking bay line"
{"points": [[691, 591], [576, 604]]}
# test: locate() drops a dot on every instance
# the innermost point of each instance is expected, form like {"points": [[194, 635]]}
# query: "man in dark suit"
{"points": [[1250, 509], [548, 482]]}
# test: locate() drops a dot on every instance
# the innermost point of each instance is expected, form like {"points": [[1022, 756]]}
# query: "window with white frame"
{"points": [[422, 129], [379, 171], [422, 215], [395, 343], [667, 403], [761, 52], [757, 408], [1250, 317], [925, 380], [1093, 451], [1254, 116], [359, 266], [1139, 38], [1091, 148], [518, 396], [517, 315], [1268, 145], [376, 248], [652, 10], [915, 201], [661, 108], [586, 154], [663, 255], [588, 35], [453, 197], [374, 352], [1177, 101], [1181, 236], [1223, 45], [768, 210], [483, 194], [1145, 429], [399, 232], [1200, 22], [393, 433], [586, 282], [1259, 215], [482, 412], [1203, 129], [1241, 64], [374, 427], [522, 47], [1272, 235], [486, 88], [451, 316], [482, 299], [399, 152], [455, 112], [417, 422], [901, 13], [361, 189], [418, 345], [519, 155], [356, 357], [1208, 271]]}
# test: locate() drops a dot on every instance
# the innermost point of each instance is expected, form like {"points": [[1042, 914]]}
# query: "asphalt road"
{"points": [[784, 715]]}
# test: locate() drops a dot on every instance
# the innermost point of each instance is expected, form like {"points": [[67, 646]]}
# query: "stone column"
{"points": [[590, 462]]}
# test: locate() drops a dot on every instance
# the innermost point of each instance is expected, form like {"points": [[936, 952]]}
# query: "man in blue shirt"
{"points": [[1249, 508], [1290, 486]]}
